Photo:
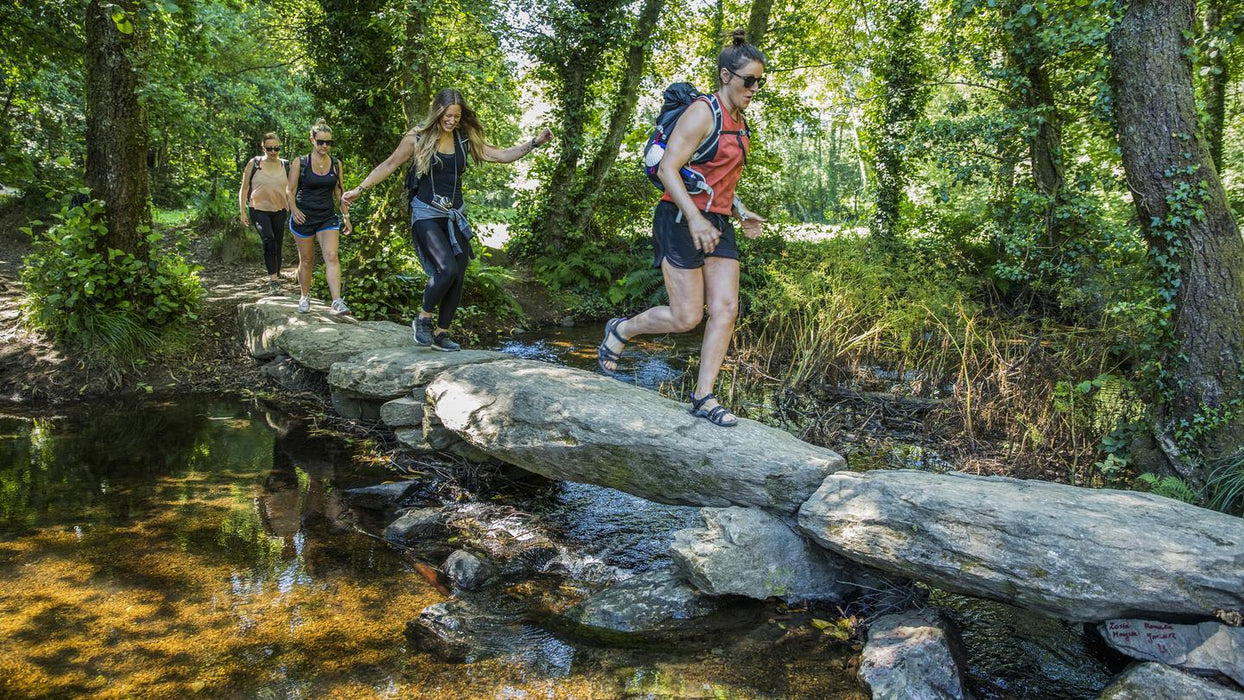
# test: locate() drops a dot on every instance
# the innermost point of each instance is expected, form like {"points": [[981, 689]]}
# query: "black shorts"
{"points": [[314, 225], [671, 239]]}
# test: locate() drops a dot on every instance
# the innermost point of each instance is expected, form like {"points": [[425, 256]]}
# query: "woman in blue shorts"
{"points": [[314, 186]]}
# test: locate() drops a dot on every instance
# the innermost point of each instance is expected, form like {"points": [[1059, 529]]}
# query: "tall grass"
{"points": [[1035, 396]]}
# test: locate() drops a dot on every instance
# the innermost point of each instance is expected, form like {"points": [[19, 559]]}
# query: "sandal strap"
{"points": [[612, 329], [604, 353], [716, 412], [696, 403]]}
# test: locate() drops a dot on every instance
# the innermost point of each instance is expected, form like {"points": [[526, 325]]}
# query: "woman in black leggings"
{"points": [[261, 204], [439, 230]]}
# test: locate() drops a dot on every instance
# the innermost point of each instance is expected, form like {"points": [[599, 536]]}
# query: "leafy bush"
{"points": [[105, 300]]}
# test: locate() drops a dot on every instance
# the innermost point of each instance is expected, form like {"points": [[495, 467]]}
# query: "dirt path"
{"points": [[33, 369]]}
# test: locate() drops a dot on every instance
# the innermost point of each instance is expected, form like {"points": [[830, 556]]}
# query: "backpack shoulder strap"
{"points": [[285, 163], [708, 146], [250, 184]]}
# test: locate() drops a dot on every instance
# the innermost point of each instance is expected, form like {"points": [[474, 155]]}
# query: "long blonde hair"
{"points": [[427, 134]]}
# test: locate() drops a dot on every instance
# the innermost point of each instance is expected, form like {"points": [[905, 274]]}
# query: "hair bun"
{"points": [[738, 37]]}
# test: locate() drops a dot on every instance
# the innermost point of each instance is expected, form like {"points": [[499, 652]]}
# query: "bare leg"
{"points": [[306, 263], [684, 312], [721, 286], [332, 265]]}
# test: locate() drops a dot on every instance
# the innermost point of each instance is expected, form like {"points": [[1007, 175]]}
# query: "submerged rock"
{"points": [[1075, 553], [465, 570], [567, 424], [414, 525], [1152, 681], [291, 376], [380, 496], [1207, 648], [747, 552], [457, 632], [910, 655], [651, 602]]}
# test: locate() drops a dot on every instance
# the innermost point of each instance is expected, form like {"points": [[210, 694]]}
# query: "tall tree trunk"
{"points": [[637, 52], [416, 71], [1192, 235], [116, 125], [1216, 82], [902, 71], [558, 209], [1045, 140], [758, 22]]}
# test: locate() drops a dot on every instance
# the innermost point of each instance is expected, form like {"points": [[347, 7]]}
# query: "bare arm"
{"points": [[400, 155], [692, 127], [346, 228], [493, 154], [242, 190], [291, 189]]}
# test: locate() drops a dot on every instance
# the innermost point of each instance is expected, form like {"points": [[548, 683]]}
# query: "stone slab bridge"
{"points": [[783, 518]]}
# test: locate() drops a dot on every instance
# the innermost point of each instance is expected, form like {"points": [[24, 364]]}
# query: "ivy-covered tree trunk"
{"points": [[1217, 80], [901, 72], [1194, 240], [116, 124]]}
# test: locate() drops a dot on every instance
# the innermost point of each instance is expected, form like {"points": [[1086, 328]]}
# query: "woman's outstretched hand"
{"points": [[753, 225], [350, 195], [543, 137]]}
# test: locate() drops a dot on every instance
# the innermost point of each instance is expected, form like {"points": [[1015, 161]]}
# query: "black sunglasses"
{"points": [[323, 142], [272, 149], [749, 80]]}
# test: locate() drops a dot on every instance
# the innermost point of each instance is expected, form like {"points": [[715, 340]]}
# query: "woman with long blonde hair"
{"points": [[438, 150]]}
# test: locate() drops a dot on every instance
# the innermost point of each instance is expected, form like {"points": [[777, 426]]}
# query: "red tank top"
{"points": [[723, 171]]}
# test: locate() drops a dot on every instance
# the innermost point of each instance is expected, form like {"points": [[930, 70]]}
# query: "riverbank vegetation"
{"points": [[1023, 209]]}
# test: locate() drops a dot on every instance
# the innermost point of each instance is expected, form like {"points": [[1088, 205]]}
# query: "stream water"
{"points": [[200, 546]]}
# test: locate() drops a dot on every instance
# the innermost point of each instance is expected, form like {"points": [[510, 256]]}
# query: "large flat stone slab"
{"points": [[567, 424], [391, 373], [911, 655], [262, 323], [319, 347], [1075, 553]]}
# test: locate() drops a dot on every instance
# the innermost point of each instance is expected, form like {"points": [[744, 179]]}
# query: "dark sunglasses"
{"points": [[749, 80], [272, 149], [323, 142]]}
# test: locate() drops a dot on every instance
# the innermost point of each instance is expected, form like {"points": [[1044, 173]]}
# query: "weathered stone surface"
{"points": [[443, 439], [356, 409], [567, 424], [404, 412], [748, 552], [1207, 648], [390, 373], [412, 440], [646, 602], [291, 376], [1075, 553], [380, 496], [909, 656], [466, 570], [262, 323], [415, 524], [458, 631], [1157, 682], [319, 347]]}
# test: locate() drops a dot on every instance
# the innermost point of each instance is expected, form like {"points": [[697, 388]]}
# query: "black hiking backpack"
{"points": [[675, 100]]}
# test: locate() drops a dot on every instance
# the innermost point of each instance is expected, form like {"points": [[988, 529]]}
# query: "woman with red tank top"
{"points": [[693, 235]]}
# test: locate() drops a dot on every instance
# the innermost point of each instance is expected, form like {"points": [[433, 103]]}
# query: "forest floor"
{"points": [[34, 369]]}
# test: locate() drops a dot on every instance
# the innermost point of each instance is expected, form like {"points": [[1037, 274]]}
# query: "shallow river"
{"points": [[162, 549]]}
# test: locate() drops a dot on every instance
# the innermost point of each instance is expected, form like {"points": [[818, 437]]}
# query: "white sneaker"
{"points": [[339, 308], [304, 304]]}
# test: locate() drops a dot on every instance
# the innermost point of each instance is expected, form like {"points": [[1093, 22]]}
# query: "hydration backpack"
{"points": [[675, 100]]}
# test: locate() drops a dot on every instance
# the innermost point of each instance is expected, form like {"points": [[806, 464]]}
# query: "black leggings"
{"points": [[271, 228], [446, 271]]}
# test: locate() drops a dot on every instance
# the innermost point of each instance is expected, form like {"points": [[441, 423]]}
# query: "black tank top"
{"points": [[445, 175], [315, 191]]}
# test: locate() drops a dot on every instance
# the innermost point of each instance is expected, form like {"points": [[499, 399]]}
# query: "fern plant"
{"points": [[1168, 486]]}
